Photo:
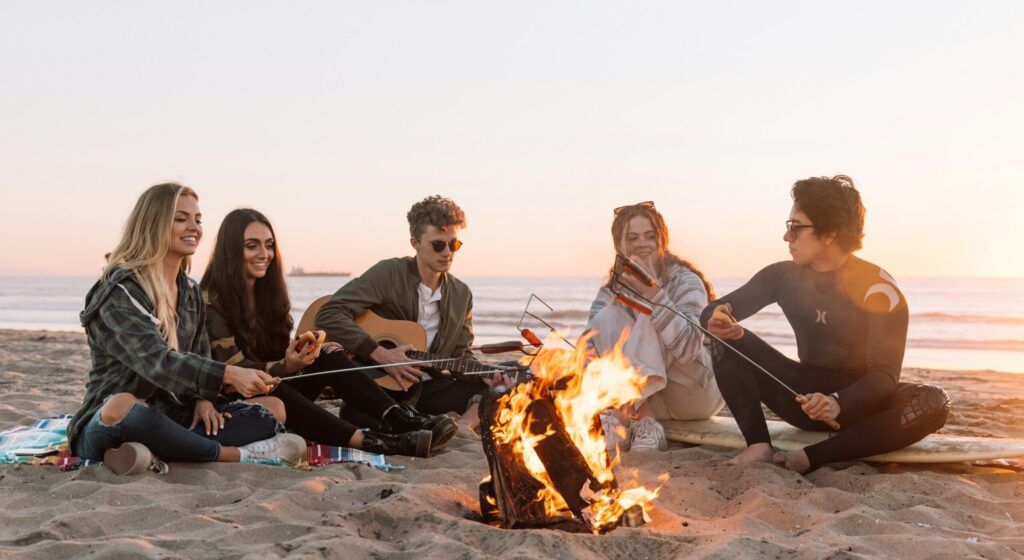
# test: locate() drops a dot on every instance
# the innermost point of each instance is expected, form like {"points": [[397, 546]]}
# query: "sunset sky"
{"points": [[538, 118]]}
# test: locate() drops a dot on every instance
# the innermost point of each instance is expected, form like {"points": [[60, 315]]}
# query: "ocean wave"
{"points": [[955, 318]]}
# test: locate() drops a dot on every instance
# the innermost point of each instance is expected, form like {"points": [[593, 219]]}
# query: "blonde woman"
{"points": [[152, 380], [667, 351]]}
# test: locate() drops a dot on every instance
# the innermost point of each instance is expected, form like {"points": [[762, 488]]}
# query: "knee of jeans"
{"points": [[276, 407], [116, 407]]}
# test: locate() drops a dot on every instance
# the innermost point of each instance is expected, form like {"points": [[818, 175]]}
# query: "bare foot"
{"points": [[796, 461], [757, 453]]}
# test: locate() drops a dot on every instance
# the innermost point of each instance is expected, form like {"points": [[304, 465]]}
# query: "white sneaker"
{"points": [[646, 434], [614, 432], [289, 448]]}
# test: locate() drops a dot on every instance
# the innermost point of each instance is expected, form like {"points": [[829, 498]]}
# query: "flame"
{"points": [[587, 384]]}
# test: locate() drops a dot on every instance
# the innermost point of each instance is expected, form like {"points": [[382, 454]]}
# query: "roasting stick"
{"points": [[641, 304], [486, 348]]}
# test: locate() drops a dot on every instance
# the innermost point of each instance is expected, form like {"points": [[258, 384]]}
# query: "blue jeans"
{"points": [[171, 441]]}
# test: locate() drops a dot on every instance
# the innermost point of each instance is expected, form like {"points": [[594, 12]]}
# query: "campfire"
{"points": [[546, 450]]}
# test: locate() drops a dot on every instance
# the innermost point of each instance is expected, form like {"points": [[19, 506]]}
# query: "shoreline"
{"points": [[706, 508]]}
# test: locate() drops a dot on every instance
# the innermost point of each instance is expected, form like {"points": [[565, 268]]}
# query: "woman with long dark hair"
{"points": [[151, 369], [668, 351], [250, 324]]}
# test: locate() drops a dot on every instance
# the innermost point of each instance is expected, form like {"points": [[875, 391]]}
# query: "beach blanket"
{"points": [[46, 443]]}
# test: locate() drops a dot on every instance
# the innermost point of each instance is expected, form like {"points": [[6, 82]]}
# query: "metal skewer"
{"points": [[644, 305]]}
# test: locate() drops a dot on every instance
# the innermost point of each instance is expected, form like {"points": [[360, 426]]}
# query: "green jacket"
{"points": [[130, 356], [390, 289]]}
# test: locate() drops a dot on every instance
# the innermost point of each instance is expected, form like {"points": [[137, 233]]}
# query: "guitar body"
{"points": [[391, 333]]}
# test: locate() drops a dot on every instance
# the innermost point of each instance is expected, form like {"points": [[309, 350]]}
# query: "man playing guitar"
{"points": [[419, 289]]}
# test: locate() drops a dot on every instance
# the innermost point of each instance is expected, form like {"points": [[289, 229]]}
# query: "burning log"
{"points": [[546, 453]]}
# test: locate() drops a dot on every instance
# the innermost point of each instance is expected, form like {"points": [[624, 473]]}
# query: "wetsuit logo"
{"points": [[822, 317]]}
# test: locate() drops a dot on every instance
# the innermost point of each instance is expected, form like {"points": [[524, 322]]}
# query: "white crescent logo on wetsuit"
{"points": [[888, 291], [821, 317]]}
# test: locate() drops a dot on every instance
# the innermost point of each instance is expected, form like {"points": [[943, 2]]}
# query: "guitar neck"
{"points": [[454, 365]]}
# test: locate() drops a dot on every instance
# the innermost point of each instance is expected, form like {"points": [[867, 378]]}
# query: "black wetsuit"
{"points": [[851, 331]]}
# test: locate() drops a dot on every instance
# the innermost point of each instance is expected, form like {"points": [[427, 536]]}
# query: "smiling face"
{"points": [[641, 240], [437, 262], [257, 250], [187, 228]]}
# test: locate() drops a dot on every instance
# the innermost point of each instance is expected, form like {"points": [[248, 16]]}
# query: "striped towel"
{"points": [[46, 437]]}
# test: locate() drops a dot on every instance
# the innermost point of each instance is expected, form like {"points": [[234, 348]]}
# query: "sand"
{"points": [[429, 510]]}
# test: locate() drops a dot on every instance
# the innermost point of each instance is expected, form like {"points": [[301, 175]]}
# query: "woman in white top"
{"points": [[668, 351]]}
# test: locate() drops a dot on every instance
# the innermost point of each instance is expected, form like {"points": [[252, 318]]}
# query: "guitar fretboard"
{"points": [[454, 365]]}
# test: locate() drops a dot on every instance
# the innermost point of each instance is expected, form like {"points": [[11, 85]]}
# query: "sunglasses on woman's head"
{"points": [[439, 245], [645, 204]]}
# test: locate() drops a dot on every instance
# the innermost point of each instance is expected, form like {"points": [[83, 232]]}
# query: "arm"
{"points": [[749, 298], [464, 339], [686, 293], [137, 343], [604, 297], [338, 316], [886, 343]]}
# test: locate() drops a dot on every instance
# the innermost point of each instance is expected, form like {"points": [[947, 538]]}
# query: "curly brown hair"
{"points": [[436, 211], [833, 204]]}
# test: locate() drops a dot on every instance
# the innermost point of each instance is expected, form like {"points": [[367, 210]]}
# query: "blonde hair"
{"points": [[145, 242]]}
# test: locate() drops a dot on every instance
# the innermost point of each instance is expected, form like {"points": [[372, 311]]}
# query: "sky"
{"points": [[538, 118]]}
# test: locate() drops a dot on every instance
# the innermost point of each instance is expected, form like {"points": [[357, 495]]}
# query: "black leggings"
{"points": [[908, 415], [310, 420]]}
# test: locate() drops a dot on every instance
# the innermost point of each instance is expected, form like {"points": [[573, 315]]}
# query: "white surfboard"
{"points": [[936, 448]]}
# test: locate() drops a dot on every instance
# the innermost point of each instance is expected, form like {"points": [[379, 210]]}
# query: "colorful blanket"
{"points": [[46, 443]]}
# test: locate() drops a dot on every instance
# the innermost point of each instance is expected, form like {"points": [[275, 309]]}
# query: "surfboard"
{"points": [[936, 448]]}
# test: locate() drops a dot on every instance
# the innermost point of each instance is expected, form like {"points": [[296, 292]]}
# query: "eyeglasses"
{"points": [[794, 227], [439, 245], [645, 204]]}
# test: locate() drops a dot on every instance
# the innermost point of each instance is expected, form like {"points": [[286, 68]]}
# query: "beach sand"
{"points": [[429, 510]]}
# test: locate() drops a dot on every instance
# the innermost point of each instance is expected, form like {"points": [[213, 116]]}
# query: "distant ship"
{"points": [[299, 271]]}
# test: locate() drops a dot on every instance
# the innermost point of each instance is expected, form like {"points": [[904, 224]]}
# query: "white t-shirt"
{"points": [[430, 312]]}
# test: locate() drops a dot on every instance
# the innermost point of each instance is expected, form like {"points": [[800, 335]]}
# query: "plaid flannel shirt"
{"points": [[130, 356]]}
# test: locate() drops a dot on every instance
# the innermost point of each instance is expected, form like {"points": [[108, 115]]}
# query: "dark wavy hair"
{"points": [[621, 223], [834, 207], [436, 211], [262, 333]]}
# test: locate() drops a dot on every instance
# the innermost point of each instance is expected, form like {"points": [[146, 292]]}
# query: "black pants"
{"points": [[908, 415], [310, 420]]}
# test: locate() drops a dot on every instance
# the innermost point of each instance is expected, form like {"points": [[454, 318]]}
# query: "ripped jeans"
{"points": [[170, 441]]}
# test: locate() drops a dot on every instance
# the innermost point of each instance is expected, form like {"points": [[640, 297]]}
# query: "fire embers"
{"points": [[546, 451]]}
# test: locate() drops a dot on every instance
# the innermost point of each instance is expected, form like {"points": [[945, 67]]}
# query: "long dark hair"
{"points": [[665, 257], [262, 333]]}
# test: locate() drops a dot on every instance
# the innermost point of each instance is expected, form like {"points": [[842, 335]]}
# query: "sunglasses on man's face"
{"points": [[645, 204], [794, 227], [439, 245]]}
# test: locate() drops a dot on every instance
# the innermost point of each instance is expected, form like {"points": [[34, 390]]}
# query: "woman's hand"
{"points": [[628, 278], [244, 381], [206, 413], [300, 354], [723, 325]]}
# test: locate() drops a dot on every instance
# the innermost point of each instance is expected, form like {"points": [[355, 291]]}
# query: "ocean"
{"points": [[965, 323]]}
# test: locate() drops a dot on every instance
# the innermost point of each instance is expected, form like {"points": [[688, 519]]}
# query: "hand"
{"points": [[330, 347], [401, 374], [246, 382], [820, 407], [498, 378], [300, 354], [627, 278], [724, 326], [206, 413]]}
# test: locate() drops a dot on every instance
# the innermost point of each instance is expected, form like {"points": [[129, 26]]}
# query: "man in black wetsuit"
{"points": [[850, 322]]}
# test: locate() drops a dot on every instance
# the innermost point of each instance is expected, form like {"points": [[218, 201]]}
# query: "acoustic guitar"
{"points": [[391, 333]]}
